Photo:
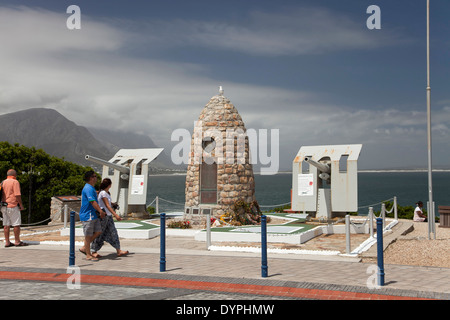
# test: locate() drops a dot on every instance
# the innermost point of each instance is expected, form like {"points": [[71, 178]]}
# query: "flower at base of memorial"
{"points": [[183, 224]]}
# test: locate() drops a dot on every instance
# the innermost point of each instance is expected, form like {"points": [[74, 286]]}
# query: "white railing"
{"points": [[370, 218]]}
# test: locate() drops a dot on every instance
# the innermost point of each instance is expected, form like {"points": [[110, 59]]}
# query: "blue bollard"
{"points": [[264, 268], [72, 239], [380, 259], [162, 259]]}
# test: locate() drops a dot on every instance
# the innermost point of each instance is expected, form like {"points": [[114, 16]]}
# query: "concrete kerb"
{"points": [[145, 230]]}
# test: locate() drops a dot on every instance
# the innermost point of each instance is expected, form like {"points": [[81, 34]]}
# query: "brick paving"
{"points": [[262, 290], [237, 274], [39, 271]]}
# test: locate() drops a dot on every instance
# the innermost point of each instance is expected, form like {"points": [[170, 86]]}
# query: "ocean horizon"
{"points": [[290, 172], [374, 187]]}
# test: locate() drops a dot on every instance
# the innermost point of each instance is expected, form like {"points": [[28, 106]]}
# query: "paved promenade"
{"points": [[39, 271]]}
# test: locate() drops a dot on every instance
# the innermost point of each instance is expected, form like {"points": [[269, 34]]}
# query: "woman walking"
{"points": [[109, 231]]}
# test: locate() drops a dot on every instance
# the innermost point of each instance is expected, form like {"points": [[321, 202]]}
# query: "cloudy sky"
{"points": [[311, 69]]}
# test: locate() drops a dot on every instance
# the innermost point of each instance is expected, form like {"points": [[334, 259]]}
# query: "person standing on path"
{"points": [[109, 231], [11, 207], [88, 214]]}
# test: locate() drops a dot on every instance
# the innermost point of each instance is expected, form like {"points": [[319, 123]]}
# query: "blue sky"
{"points": [[311, 69]]}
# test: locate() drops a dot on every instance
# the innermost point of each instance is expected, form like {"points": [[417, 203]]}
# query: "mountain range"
{"points": [[58, 136]]}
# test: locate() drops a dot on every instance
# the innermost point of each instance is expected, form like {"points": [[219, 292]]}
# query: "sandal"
{"points": [[92, 259], [83, 252], [21, 244], [122, 254], [9, 245]]}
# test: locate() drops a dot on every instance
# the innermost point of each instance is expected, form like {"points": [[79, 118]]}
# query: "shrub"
{"points": [[245, 213], [280, 209], [56, 177], [179, 224]]}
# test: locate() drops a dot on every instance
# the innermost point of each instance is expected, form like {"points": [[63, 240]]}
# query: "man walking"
{"points": [[11, 207], [88, 214]]}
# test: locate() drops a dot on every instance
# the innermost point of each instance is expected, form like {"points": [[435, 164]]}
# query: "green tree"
{"points": [[56, 177]]}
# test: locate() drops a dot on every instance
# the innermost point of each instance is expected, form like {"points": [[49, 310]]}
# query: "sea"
{"points": [[374, 187]]}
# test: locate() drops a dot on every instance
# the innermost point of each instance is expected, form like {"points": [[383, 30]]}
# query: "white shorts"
{"points": [[11, 216]]}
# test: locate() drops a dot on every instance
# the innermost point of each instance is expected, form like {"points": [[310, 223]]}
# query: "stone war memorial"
{"points": [[219, 170]]}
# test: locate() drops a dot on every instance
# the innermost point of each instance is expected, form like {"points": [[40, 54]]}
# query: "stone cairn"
{"points": [[220, 121]]}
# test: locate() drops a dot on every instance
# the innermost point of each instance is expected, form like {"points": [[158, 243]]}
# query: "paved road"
{"points": [[205, 283], [217, 270]]}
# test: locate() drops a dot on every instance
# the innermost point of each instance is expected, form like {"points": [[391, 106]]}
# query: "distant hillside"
{"points": [[47, 129]]}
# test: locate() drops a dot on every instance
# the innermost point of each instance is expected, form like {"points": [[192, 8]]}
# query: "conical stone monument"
{"points": [[219, 170]]}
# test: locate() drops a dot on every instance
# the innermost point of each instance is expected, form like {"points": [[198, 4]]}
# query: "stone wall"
{"points": [[57, 208], [235, 181]]}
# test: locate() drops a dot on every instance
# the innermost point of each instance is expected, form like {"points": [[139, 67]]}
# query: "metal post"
{"points": [[383, 213], [72, 239], [371, 221], [66, 211], [157, 205], [264, 268], [347, 233], [208, 231], [395, 209], [433, 222], [380, 259], [429, 218], [430, 170], [162, 260]]}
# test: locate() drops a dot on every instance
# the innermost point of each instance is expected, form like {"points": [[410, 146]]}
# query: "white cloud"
{"points": [[87, 76], [45, 32]]}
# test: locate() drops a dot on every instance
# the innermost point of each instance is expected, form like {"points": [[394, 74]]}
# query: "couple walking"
{"points": [[96, 214]]}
